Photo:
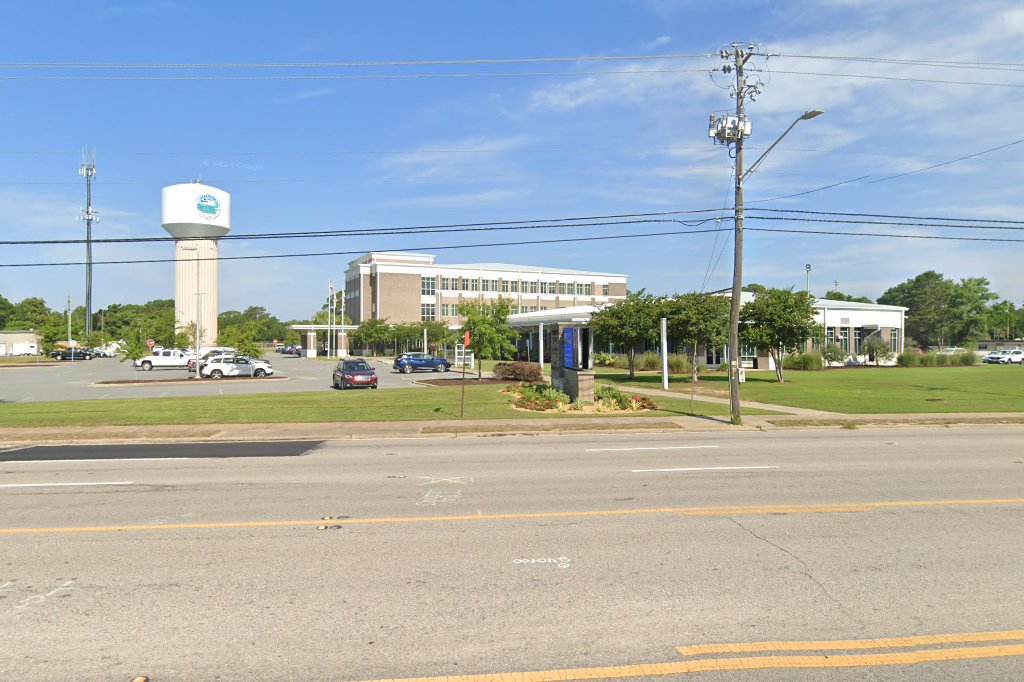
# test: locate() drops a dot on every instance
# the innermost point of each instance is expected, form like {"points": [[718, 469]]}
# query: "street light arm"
{"points": [[807, 115]]}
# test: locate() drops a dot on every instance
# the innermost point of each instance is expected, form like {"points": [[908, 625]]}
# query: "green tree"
{"points": [[698, 320], [33, 313], [928, 299], [840, 296], [6, 308], [438, 335], [832, 353], [373, 333], [1002, 320], [876, 348], [489, 334], [631, 322], [134, 347], [244, 338], [778, 319], [970, 310]]}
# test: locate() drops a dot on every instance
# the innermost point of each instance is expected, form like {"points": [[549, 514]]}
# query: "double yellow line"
{"points": [[741, 510], [814, 657]]}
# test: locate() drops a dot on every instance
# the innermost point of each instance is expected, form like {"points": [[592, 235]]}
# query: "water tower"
{"points": [[196, 215]]}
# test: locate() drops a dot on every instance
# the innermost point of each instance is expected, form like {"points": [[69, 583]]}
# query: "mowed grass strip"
{"points": [[401, 404], [864, 390]]}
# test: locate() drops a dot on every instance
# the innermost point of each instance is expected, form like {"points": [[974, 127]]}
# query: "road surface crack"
{"points": [[807, 569]]}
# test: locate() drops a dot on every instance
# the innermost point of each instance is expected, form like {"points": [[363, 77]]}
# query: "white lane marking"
{"points": [[52, 485], [642, 471], [65, 461], [670, 447]]}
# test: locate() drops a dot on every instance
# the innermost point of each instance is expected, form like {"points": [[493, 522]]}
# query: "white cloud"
{"points": [[660, 41], [303, 95]]}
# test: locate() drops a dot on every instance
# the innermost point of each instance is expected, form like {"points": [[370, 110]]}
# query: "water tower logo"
{"points": [[208, 206]]}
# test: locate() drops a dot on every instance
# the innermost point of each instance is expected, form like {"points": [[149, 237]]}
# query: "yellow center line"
{"points": [[732, 664], [850, 644], [688, 511]]}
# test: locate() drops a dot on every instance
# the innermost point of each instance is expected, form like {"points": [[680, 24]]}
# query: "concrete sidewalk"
{"points": [[20, 437]]}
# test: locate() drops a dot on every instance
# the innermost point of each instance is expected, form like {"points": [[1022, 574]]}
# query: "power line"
{"points": [[362, 251], [584, 221], [946, 163], [884, 234], [887, 78], [333, 77], [996, 66], [340, 64], [889, 215]]}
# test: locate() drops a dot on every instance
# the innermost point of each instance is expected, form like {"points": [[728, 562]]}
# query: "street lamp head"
{"points": [[811, 114]]}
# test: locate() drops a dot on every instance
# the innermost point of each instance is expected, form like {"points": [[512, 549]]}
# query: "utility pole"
{"points": [[732, 130], [87, 169], [67, 313], [807, 286]]}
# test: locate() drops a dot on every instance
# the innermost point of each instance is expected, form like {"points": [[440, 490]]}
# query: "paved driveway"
{"points": [[79, 380]]}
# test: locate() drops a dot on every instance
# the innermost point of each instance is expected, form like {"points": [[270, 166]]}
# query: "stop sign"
{"points": [[150, 342]]}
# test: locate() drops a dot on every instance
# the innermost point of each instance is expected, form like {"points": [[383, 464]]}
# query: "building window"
{"points": [[858, 339], [543, 287], [533, 287], [504, 286], [604, 289], [494, 285], [485, 285], [543, 307], [474, 285], [446, 284], [579, 289], [445, 310], [894, 340], [427, 311], [533, 308], [561, 288], [844, 339], [588, 289], [428, 286], [514, 285]]}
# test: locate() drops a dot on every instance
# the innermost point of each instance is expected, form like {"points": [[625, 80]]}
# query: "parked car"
{"points": [[100, 353], [995, 357], [170, 358], [1008, 357], [408, 362], [239, 366], [353, 373], [72, 354], [951, 350]]}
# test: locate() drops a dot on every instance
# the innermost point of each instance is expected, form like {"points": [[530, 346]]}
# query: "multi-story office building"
{"points": [[410, 287]]}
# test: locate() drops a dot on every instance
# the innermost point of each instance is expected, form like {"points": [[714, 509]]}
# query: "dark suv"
{"points": [[408, 362], [71, 354]]}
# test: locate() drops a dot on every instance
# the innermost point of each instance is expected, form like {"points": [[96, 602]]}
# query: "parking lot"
{"points": [[80, 380]]}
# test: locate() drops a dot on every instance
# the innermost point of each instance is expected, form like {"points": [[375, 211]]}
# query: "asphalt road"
{"points": [[80, 380], [895, 554]]}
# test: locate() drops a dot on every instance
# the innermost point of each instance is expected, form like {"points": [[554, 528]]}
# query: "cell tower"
{"points": [[87, 169]]}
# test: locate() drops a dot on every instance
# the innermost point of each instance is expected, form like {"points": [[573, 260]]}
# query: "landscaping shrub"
{"points": [[539, 397], [604, 360], [608, 396], [678, 364], [942, 360], [833, 353], [808, 361], [929, 360], [965, 359], [649, 361], [518, 371], [909, 358], [723, 367]]}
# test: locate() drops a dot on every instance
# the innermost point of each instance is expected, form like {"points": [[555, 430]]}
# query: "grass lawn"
{"points": [[864, 390], [402, 404]]}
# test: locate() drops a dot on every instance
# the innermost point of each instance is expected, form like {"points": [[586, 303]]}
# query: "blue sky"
{"points": [[318, 154]]}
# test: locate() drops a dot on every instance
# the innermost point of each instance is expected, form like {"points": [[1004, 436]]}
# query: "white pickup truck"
{"points": [[169, 357]]}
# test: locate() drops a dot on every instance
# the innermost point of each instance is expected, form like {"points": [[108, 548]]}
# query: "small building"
{"points": [[404, 287], [15, 342], [847, 324]]}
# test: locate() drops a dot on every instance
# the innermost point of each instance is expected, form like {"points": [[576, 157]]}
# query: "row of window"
{"points": [[840, 336], [428, 311], [428, 286]]}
